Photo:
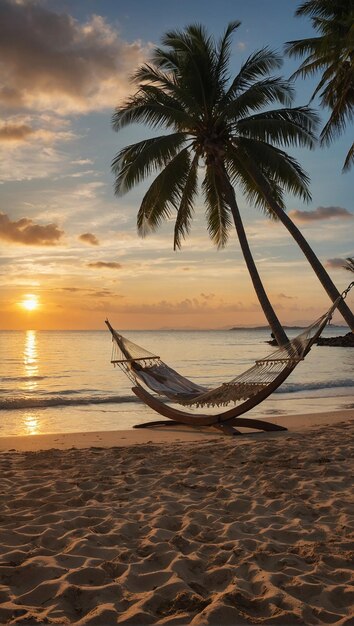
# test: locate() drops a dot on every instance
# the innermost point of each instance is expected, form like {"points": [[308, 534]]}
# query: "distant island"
{"points": [[267, 328], [341, 341], [346, 341]]}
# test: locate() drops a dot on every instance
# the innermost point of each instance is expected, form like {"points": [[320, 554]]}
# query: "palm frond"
{"points": [[218, 211], [349, 160], [195, 58], [257, 96], [148, 107], [179, 109], [256, 190], [223, 52], [287, 127], [311, 46], [349, 264], [153, 75], [338, 95], [309, 67], [315, 8], [186, 207], [135, 162], [164, 194], [341, 114], [323, 9], [276, 165], [167, 84], [166, 60], [332, 54], [257, 65]]}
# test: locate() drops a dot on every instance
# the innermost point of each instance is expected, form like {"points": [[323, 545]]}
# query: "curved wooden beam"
{"points": [[222, 420]]}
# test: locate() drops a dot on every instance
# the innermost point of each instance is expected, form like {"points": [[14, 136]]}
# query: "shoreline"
{"points": [[164, 435]]}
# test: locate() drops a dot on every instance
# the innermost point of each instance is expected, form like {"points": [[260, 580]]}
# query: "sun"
{"points": [[30, 302]]}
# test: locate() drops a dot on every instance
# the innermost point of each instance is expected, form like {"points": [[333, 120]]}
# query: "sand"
{"points": [[206, 530]]}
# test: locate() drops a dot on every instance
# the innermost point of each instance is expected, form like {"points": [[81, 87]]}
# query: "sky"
{"points": [[70, 255]]}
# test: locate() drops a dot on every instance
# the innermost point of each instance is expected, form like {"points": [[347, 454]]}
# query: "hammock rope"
{"points": [[142, 366]]}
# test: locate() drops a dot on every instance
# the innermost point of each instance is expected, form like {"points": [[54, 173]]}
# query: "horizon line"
{"points": [[166, 329]]}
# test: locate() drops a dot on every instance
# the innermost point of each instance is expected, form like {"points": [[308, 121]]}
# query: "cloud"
{"points": [[208, 296], [15, 132], [321, 213], [51, 61], [88, 190], [19, 129], [336, 263], [285, 297], [104, 293], [27, 145], [82, 162], [92, 293], [83, 173], [71, 289], [26, 232], [89, 238], [107, 264], [190, 306]]}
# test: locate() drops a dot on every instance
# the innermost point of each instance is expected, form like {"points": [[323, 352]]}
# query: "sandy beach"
{"points": [[178, 526]]}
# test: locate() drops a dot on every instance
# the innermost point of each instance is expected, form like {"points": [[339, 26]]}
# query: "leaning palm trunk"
{"points": [[273, 321], [316, 265]]}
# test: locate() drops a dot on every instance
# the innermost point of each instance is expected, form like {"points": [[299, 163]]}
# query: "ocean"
{"points": [[63, 381]]}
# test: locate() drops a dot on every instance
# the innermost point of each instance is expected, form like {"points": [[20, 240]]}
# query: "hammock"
{"points": [[147, 370]]}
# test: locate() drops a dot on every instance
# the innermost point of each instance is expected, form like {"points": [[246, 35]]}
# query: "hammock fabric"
{"points": [[143, 367]]}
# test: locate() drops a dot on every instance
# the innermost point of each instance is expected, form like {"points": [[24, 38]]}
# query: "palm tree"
{"points": [[220, 124], [331, 53]]}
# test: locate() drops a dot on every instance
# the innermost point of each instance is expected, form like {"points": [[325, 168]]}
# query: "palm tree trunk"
{"points": [[316, 265], [273, 321], [318, 268]]}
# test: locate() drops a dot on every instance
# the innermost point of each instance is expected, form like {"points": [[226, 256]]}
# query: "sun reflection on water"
{"points": [[30, 421], [31, 424], [30, 360]]}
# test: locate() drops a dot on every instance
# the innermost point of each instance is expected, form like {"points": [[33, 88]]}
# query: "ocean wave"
{"points": [[25, 379], [26, 402], [324, 384], [69, 397]]}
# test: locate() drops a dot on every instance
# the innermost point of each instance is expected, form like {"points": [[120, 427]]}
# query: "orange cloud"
{"points": [[190, 306], [15, 132], [321, 213], [26, 232], [89, 238], [285, 297], [103, 293], [58, 62], [105, 264]]}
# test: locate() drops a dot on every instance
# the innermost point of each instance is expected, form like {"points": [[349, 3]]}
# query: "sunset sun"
{"points": [[30, 302]]}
